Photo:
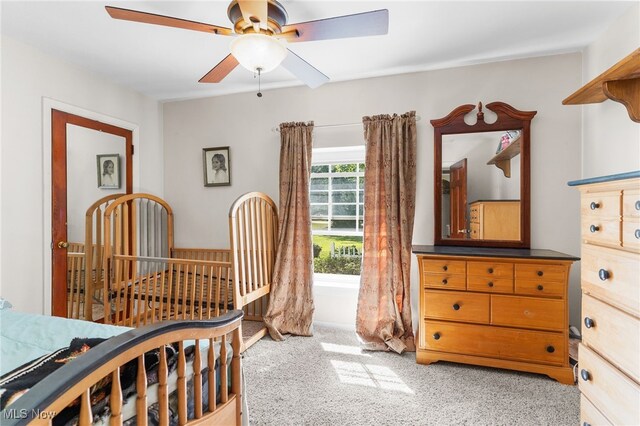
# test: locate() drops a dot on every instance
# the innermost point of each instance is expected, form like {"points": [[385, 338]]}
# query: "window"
{"points": [[337, 210]]}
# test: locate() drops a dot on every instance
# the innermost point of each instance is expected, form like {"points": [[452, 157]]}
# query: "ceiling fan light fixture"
{"points": [[258, 51]]}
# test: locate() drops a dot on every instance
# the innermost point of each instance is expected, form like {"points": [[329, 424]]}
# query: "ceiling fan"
{"points": [[261, 32]]}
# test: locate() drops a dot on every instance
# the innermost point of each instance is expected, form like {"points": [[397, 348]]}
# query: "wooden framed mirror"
{"points": [[482, 177]]}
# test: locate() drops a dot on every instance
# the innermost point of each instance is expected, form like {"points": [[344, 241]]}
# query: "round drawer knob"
{"points": [[603, 274], [456, 307], [444, 281], [490, 270], [637, 234], [586, 424], [637, 205], [540, 287], [551, 349], [436, 336], [594, 228], [594, 205], [585, 375], [540, 273], [490, 284], [588, 322], [444, 268]]}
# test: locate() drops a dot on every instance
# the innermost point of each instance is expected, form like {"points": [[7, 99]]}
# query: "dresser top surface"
{"points": [[492, 252], [608, 178]]}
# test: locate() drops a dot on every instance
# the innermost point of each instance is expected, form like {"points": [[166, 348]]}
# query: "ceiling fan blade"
{"points": [[220, 71], [304, 71], [254, 11], [167, 21], [358, 25]]}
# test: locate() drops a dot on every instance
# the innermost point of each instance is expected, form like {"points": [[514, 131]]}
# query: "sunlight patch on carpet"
{"points": [[370, 375], [343, 349]]}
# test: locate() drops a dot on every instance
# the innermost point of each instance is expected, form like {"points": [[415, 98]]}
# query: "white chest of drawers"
{"points": [[609, 356]]}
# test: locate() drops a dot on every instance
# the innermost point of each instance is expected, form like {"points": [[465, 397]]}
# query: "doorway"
{"points": [[78, 144], [458, 199]]}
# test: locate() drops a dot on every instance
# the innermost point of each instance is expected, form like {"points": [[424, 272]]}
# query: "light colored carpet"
{"points": [[328, 380]]}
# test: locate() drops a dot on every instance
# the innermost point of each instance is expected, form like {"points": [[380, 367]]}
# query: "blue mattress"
{"points": [[24, 337]]}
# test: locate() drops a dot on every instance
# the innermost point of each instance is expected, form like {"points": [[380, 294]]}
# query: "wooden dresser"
{"points": [[494, 220], [609, 356], [504, 308]]}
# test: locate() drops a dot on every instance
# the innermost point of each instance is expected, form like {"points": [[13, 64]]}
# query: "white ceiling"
{"points": [[166, 63]]}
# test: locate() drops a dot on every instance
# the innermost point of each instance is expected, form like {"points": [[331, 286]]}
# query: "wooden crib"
{"points": [[148, 279], [84, 265]]}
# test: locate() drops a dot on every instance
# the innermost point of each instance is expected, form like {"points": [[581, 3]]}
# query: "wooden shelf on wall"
{"points": [[620, 83], [502, 160]]}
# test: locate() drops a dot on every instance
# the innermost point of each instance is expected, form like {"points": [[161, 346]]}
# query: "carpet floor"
{"points": [[328, 380]]}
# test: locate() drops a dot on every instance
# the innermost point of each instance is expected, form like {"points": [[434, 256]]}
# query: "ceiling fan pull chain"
{"points": [[259, 73]]}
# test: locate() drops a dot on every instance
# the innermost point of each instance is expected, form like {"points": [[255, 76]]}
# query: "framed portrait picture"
{"points": [[108, 171], [216, 166]]}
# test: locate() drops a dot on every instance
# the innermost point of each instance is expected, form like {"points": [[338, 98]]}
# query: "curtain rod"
{"points": [[277, 129]]}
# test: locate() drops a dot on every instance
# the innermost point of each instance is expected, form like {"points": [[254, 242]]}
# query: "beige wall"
{"points": [[32, 82], [244, 123], [611, 139]]}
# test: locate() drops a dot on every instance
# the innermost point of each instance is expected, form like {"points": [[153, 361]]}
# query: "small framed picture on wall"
{"points": [[216, 166], [108, 171]]}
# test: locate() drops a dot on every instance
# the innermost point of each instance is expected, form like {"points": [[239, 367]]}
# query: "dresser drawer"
{"points": [[475, 230], [497, 342], [444, 281], [541, 272], [490, 269], [600, 204], [617, 396], [631, 203], [444, 265], [631, 233], [601, 231], [590, 415], [456, 306], [490, 284], [539, 288], [612, 276], [546, 314], [613, 334]]}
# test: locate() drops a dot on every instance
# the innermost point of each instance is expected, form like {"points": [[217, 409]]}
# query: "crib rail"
{"points": [[216, 393], [142, 290]]}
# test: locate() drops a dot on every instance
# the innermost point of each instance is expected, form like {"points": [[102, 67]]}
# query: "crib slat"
{"points": [[141, 390], [224, 380], [85, 418], [211, 363], [115, 401], [197, 381], [182, 385], [163, 394]]}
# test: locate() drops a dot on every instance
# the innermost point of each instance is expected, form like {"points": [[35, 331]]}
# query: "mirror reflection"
{"points": [[481, 184]]}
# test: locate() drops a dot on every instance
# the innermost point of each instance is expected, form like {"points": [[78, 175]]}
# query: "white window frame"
{"points": [[332, 156]]}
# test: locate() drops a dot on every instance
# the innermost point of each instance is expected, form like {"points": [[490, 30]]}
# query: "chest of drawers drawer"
{"points": [[601, 204], [489, 284], [612, 333], [444, 265], [457, 306], [615, 395], [631, 203], [490, 269], [529, 312], [541, 272], [444, 281], [631, 233], [612, 276], [498, 342], [590, 415], [540, 288], [601, 231]]}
